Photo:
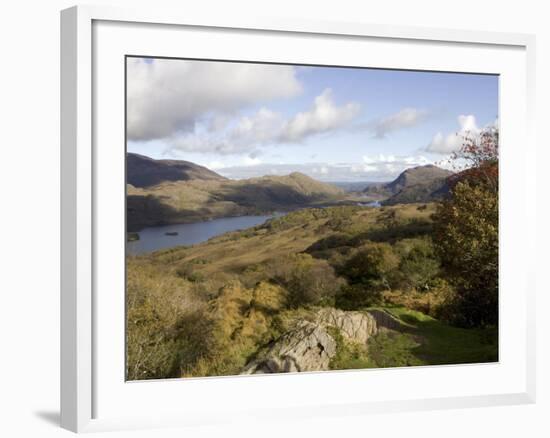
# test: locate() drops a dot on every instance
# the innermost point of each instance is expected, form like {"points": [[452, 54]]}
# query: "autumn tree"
{"points": [[466, 232], [308, 281]]}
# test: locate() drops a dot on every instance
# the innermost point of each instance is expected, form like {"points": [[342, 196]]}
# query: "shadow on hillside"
{"points": [[143, 211], [394, 232], [391, 234], [268, 197]]}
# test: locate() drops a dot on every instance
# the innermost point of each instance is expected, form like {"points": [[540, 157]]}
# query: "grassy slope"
{"points": [[423, 192], [238, 257], [142, 171], [418, 184], [195, 200], [425, 341]]}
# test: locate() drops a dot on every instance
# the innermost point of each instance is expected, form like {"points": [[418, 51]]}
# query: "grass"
{"points": [[423, 341], [349, 356], [445, 344], [427, 341], [196, 200], [212, 306]]}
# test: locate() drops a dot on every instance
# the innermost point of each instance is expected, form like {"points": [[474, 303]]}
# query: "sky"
{"points": [[246, 120]]}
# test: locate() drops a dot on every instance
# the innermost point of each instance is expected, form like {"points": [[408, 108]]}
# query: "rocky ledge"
{"points": [[310, 345]]}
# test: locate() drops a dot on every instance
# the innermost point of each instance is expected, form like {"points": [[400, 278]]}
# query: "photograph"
{"points": [[285, 218]]}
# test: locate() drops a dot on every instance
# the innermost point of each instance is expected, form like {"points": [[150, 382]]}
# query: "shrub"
{"points": [[161, 312], [187, 272], [372, 266], [333, 241], [430, 302], [308, 281], [269, 298], [418, 266], [357, 296], [240, 322]]}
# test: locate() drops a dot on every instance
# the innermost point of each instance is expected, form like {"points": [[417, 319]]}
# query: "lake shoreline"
{"points": [[155, 238], [177, 231]]}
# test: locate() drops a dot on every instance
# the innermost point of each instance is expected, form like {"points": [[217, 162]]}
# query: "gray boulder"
{"points": [[354, 326], [310, 347], [306, 348]]}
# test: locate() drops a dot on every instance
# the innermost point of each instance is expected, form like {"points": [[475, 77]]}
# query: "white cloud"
{"points": [[263, 127], [249, 161], [446, 144], [249, 133], [378, 168], [167, 97], [216, 165], [322, 117], [405, 118]]}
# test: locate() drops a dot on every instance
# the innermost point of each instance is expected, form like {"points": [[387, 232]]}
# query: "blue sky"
{"points": [[334, 124]]}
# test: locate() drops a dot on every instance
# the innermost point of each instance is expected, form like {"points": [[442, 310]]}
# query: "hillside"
{"points": [[295, 294], [142, 171], [418, 184], [423, 192], [200, 199]]}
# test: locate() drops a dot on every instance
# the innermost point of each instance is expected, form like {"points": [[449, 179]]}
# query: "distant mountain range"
{"points": [[161, 192], [181, 192], [142, 171], [417, 184], [353, 186]]}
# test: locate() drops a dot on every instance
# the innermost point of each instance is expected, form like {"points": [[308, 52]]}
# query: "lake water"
{"points": [[155, 238]]}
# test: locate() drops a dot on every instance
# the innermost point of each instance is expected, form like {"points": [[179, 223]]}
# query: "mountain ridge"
{"points": [[417, 184], [193, 200], [143, 171]]}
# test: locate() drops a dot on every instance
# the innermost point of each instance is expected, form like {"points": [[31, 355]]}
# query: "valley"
{"points": [[320, 218], [236, 303]]}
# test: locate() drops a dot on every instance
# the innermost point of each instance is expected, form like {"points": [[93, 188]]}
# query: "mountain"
{"points": [[353, 186], [142, 171], [424, 192], [202, 199], [417, 184]]}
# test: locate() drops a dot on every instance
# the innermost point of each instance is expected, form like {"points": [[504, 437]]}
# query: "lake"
{"points": [[155, 238]]}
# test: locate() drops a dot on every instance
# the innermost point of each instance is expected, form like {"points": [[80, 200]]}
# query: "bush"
{"points": [[357, 296], [307, 280], [431, 302], [269, 298], [419, 264], [335, 240], [187, 272], [372, 266], [240, 322], [165, 323]]}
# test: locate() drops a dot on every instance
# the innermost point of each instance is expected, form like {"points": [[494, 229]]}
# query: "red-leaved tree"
{"points": [[466, 232]]}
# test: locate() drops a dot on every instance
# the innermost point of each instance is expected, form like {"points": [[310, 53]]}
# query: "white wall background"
{"points": [[29, 218]]}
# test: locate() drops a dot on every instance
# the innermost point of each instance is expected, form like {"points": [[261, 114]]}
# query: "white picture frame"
{"points": [[84, 371]]}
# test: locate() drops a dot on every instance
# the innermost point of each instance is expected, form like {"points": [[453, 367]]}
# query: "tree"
{"points": [[308, 281], [466, 232], [419, 264], [372, 266]]}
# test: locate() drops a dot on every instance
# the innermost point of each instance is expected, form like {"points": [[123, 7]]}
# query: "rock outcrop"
{"points": [[354, 326], [310, 345]]}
